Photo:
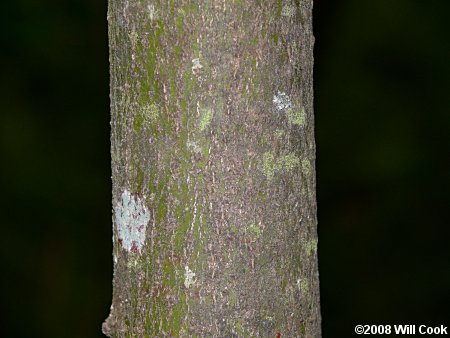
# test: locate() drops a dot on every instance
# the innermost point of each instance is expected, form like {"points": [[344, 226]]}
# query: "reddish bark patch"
{"points": [[134, 248]]}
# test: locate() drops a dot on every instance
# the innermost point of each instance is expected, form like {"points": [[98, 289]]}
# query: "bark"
{"points": [[213, 169]]}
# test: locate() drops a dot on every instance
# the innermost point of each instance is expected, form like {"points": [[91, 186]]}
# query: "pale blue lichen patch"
{"points": [[282, 101], [296, 115], [132, 217]]}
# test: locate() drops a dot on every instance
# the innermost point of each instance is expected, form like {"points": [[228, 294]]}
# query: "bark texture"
{"points": [[212, 145]]}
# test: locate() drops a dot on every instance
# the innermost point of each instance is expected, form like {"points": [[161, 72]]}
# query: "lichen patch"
{"points": [[152, 12], [205, 119], [311, 247], [282, 101], [288, 10], [303, 285], [273, 165], [188, 277], [296, 116], [306, 167], [196, 65], [132, 217]]}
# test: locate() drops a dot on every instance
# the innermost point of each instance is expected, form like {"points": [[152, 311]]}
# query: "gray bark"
{"points": [[213, 169]]}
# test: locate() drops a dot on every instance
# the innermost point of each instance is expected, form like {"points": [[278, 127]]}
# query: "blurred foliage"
{"points": [[382, 125]]}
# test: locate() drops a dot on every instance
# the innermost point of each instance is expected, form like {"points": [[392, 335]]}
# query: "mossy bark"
{"points": [[213, 169]]}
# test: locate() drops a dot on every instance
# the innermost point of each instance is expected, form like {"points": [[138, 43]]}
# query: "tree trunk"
{"points": [[212, 146]]}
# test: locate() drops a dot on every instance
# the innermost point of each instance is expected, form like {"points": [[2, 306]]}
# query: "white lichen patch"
{"points": [[296, 115], [288, 10], [282, 101], [152, 12], [194, 146], [188, 277], [132, 217], [196, 65]]}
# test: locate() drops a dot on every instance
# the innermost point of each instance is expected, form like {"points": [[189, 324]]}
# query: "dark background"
{"points": [[382, 84]]}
